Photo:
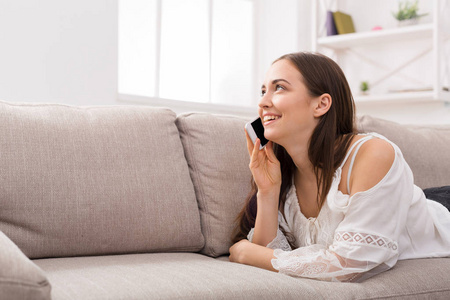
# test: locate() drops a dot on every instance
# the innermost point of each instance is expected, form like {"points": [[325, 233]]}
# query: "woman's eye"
{"points": [[279, 87], [263, 93]]}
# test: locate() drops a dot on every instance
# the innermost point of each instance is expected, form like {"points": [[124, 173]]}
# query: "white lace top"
{"points": [[356, 237]]}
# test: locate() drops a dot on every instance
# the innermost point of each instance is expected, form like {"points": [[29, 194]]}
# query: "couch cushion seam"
{"points": [[24, 283]]}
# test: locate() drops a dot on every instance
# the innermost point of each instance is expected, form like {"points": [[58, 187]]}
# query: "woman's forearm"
{"points": [[245, 252], [266, 223]]}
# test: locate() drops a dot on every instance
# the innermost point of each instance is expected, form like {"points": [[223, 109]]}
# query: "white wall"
{"points": [[281, 31], [58, 51]]}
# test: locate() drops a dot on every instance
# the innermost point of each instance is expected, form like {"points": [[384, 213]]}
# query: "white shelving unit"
{"points": [[434, 34]]}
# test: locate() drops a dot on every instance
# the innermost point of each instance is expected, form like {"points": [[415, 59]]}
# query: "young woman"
{"points": [[328, 203]]}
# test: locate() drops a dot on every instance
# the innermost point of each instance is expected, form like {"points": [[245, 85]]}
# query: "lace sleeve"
{"points": [[319, 262], [279, 242]]}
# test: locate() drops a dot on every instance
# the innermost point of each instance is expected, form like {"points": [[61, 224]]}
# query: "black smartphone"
{"points": [[255, 129]]}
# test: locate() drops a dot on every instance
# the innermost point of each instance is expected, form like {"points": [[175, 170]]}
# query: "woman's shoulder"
{"points": [[377, 151], [372, 162]]}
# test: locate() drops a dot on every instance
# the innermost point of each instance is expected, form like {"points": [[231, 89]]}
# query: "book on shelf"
{"points": [[344, 22], [330, 24]]}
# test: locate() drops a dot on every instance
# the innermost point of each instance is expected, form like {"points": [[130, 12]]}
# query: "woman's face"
{"points": [[286, 108]]}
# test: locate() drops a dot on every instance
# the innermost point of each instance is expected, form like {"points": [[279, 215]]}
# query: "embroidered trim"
{"points": [[364, 238]]}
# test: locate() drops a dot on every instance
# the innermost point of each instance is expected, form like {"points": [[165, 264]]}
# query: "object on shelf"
{"points": [[364, 87], [344, 22], [375, 28], [408, 22], [407, 13], [330, 24]]}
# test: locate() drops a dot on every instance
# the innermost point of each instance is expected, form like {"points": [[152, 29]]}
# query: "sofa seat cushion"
{"points": [[196, 276], [95, 180], [425, 148], [165, 276]]}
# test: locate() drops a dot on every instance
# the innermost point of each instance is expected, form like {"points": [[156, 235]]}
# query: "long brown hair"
{"points": [[329, 141]]}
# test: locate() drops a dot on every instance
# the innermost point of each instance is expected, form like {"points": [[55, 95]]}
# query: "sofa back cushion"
{"points": [[216, 151], [94, 180], [426, 148]]}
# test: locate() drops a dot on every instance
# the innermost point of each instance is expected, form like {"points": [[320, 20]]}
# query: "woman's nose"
{"points": [[265, 101]]}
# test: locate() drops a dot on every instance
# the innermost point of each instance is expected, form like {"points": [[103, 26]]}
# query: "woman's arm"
{"points": [[245, 252], [266, 172], [266, 223]]}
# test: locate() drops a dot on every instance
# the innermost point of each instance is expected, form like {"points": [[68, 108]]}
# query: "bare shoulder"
{"points": [[372, 163]]}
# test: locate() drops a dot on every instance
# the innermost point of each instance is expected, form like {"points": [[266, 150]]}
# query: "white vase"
{"points": [[408, 22]]}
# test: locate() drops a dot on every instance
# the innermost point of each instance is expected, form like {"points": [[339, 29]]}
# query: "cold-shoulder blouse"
{"points": [[356, 237]]}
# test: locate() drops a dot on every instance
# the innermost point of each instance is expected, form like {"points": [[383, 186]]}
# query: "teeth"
{"points": [[269, 118]]}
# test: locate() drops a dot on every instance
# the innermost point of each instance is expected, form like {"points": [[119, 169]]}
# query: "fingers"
{"points": [[269, 151], [249, 143], [255, 151]]}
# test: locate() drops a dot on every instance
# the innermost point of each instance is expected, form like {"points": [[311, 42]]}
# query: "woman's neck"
{"points": [[305, 182], [305, 179], [300, 156]]}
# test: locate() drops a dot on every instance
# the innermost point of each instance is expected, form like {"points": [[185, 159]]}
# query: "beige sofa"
{"points": [[127, 202]]}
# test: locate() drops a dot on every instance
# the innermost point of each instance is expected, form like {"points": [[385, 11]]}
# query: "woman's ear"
{"points": [[323, 104]]}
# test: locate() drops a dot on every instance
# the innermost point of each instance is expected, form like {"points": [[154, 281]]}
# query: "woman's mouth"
{"points": [[269, 119]]}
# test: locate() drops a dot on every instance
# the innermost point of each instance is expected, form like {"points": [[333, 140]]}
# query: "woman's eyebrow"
{"points": [[275, 81]]}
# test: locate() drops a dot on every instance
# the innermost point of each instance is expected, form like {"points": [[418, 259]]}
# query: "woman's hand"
{"points": [[238, 251], [266, 172], [245, 252], [264, 166]]}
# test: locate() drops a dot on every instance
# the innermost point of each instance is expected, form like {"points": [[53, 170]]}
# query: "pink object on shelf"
{"points": [[377, 28]]}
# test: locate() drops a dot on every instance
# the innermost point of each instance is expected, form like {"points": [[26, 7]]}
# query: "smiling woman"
{"points": [[326, 202]]}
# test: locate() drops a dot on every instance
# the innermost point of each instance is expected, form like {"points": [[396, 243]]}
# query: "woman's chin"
{"points": [[275, 138], [271, 137]]}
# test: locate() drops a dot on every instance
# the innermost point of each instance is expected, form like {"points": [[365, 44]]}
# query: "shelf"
{"points": [[376, 37], [428, 96], [426, 40]]}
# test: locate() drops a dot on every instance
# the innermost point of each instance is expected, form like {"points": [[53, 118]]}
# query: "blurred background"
{"points": [[212, 55]]}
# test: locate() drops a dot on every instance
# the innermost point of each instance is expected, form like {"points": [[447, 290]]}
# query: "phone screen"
{"points": [[259, 130]]}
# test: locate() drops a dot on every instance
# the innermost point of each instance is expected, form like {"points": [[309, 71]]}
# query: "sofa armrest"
{"points": [[20, 278]]}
